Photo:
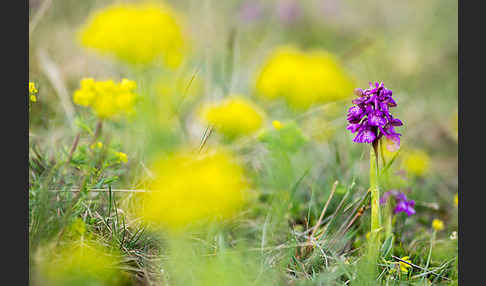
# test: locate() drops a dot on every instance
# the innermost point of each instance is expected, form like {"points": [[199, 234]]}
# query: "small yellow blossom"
{"points": [[404, 266], [97, 145], [303, 78], [416, 162], [122, 157], [277, 124], [368, 235], [32, 88], [32, 92], [189, 188], [107, 98], [81, 262], [137, 34], [437, 224], [233, 116], [456, 199]]}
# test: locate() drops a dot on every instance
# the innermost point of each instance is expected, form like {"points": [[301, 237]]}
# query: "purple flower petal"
{"points": [[376, 119], [353, 127], [365, 136], [396, 122], [371, 110]]}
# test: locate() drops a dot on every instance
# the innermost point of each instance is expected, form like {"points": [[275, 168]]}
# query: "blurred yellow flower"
{"points": [[456, 199], [97, 145], [233, 116], [303, 78], [416, 162], [32, 92], [437, 224], [189, 188], [122, 157], [277, 124], [107, 98], [404, 266], [136, 34], [82, 262]]}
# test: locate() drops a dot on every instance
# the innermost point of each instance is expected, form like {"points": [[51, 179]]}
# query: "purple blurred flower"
{"points": [[402, 204], [288, 10], [370, 116], [251, 11]]}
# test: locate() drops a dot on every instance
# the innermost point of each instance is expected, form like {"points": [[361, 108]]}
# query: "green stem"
{"points": [[374, 242], [388, 221], [432, 241], [375, 192]]}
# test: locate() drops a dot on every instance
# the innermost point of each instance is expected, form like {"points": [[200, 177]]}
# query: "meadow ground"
{"points": [[209, 142]]}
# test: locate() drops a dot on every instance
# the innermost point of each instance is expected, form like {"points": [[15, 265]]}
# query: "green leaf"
{"points": [[387, 246]]}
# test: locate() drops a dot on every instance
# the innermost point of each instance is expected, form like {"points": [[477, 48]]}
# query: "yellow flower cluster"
{"points": [[80, 263], [437, 224], [190, 188], [137, 34], [416, 162], [277, 124], [107, 98], [32, 92], [234, 116], [404, 266], [122, 157], [97, 145], [303, 78]]}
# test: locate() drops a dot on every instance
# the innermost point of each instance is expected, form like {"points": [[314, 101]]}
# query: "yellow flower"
{"points": [[303, 78], [277, 124], [189, 188], [437, 224], [81, 262], [107, 98], [122, 157], [137, 34], [32, 88], [97, 145], [416, 162], [456, 200], [404, 266], [32, 92], [233, 116]]}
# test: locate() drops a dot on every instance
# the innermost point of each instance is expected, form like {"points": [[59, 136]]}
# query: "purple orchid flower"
{"points": [[402, 203], [370, 116]]}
